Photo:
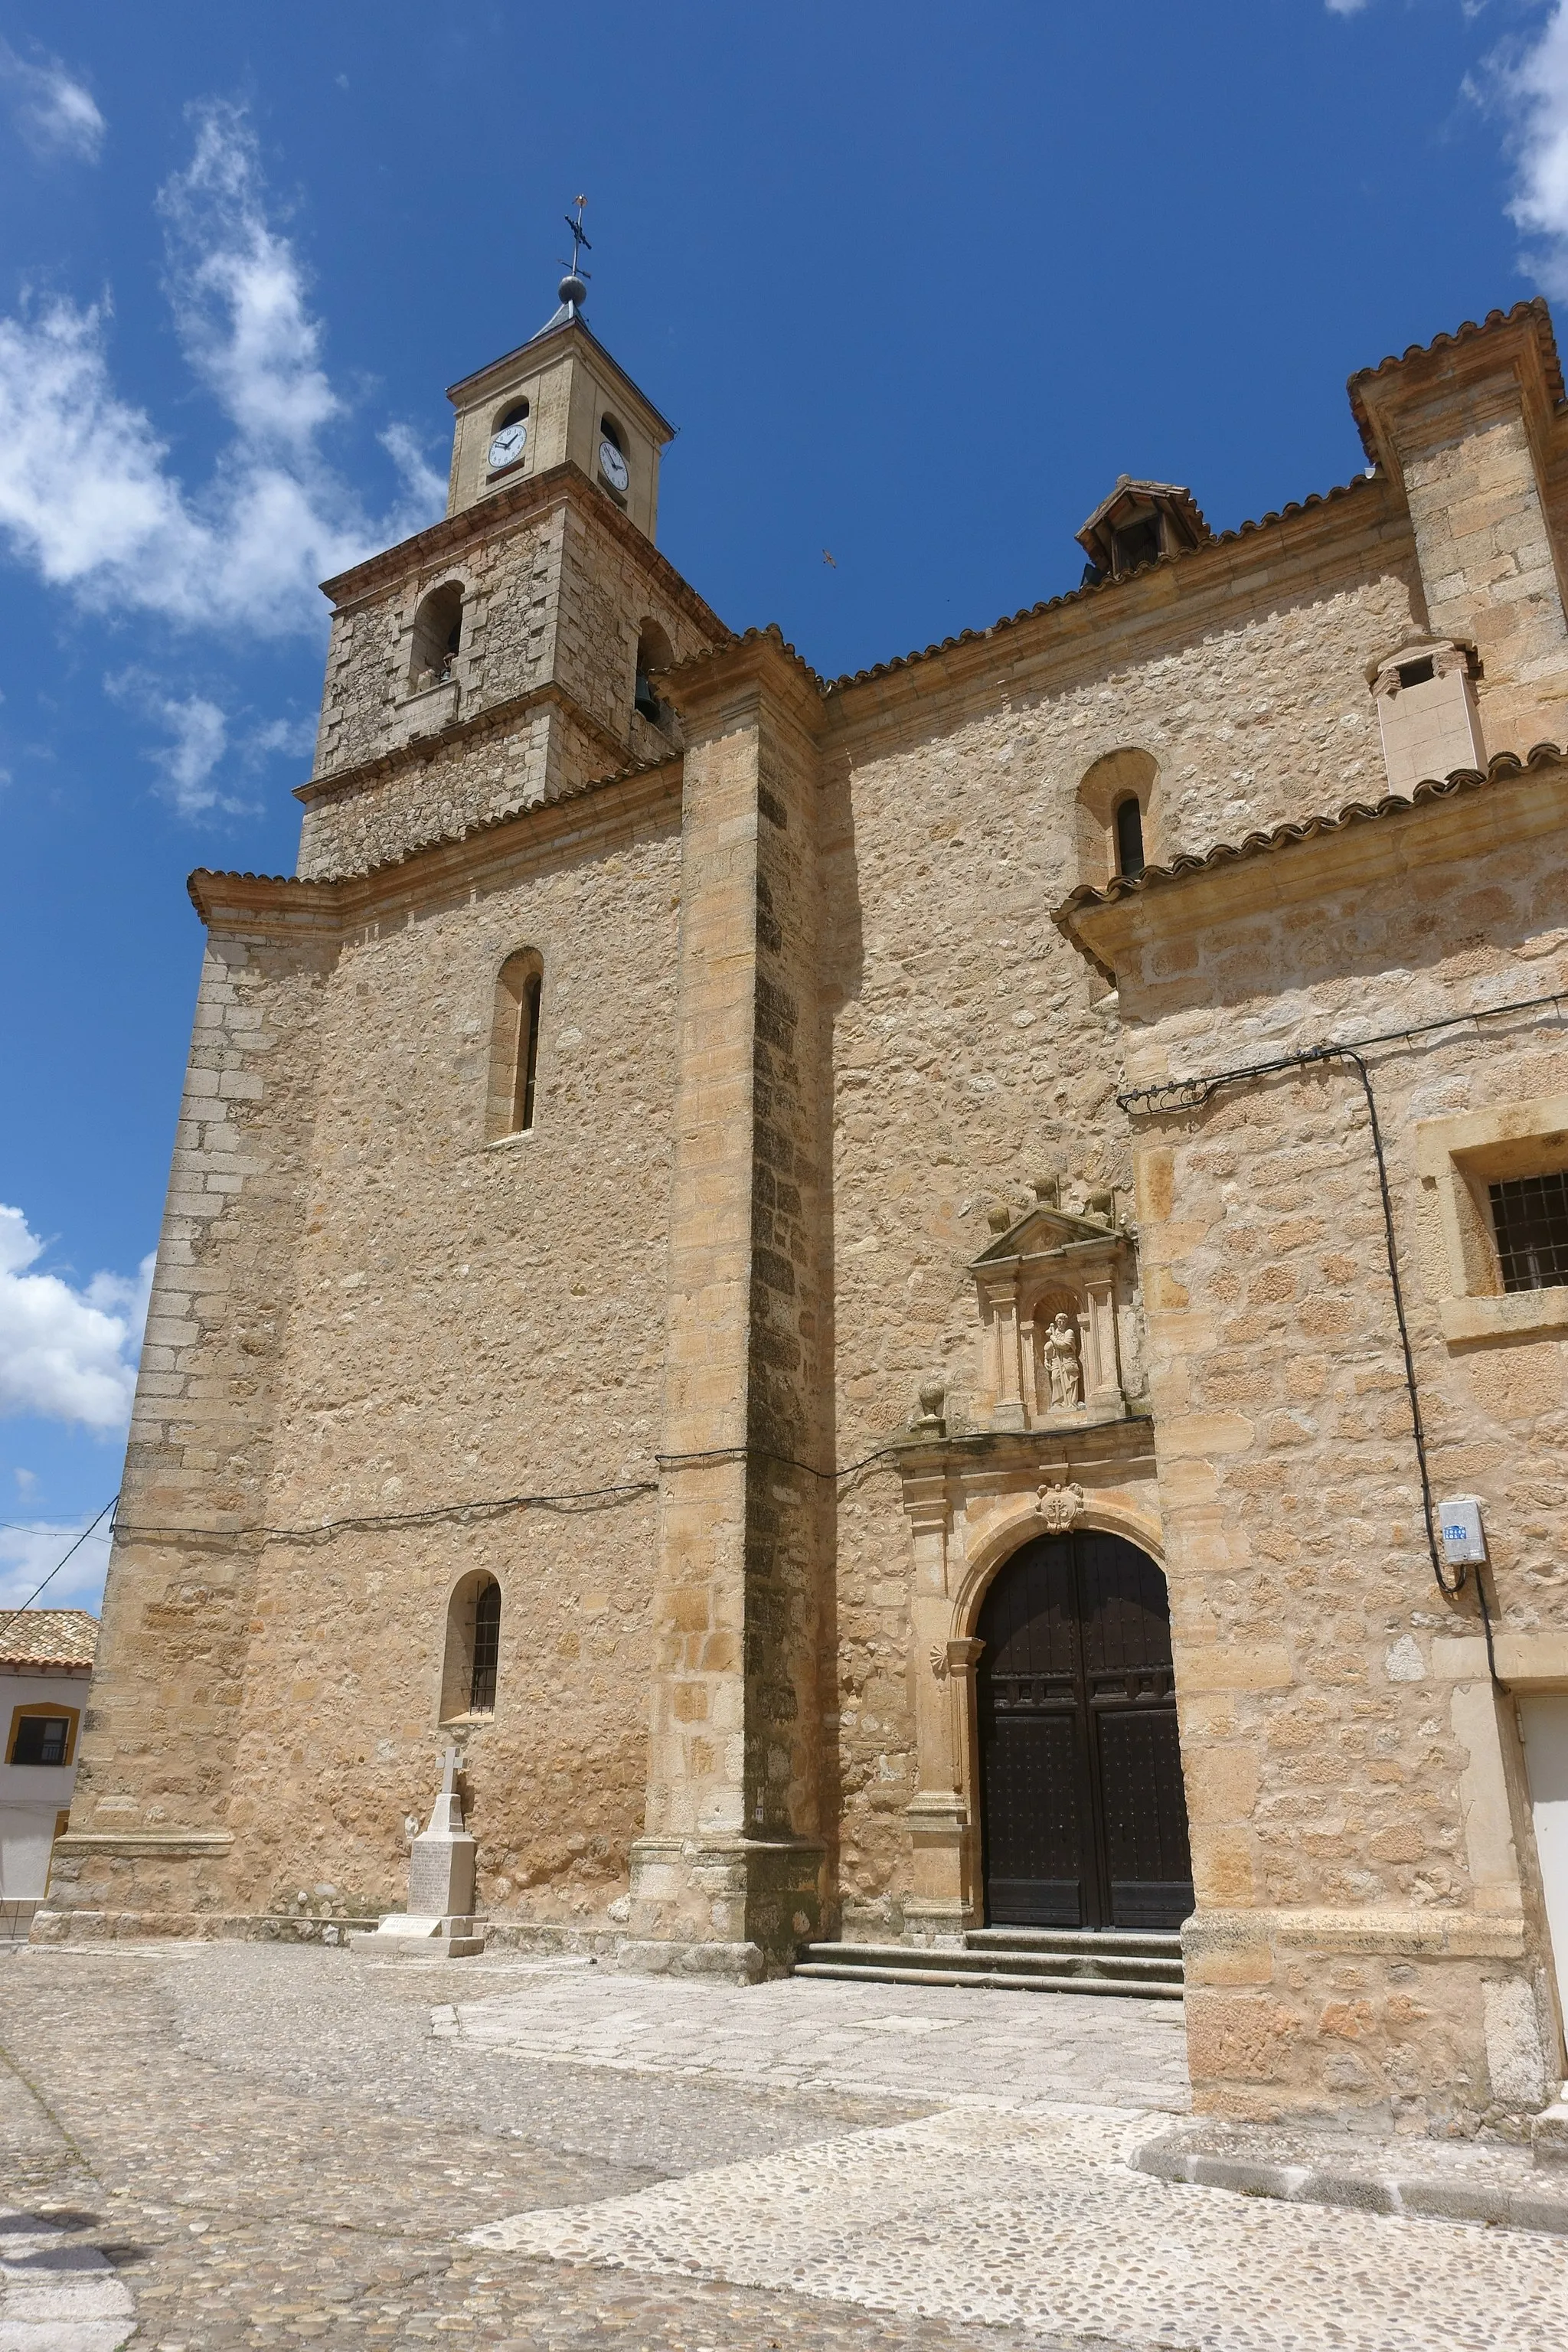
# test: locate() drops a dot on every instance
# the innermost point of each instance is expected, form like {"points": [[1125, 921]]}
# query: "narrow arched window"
{"points": [[487, 1650], [515, 1046], [1129, 838], [654, 653], [437, 636], [472, 1656]]}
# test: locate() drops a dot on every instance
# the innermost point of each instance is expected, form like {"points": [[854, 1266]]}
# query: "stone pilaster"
{"points": [[149, 1838], [731, 1856], [1466, 427]]}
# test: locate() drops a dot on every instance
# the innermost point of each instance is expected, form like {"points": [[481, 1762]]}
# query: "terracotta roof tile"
{"points": [[438, 841], [47, 1637], [1286, 836], [1099, 587], [1535, 308]]}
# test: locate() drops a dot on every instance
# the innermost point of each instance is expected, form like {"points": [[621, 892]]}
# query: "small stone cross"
{"points": [[448, 1771]]}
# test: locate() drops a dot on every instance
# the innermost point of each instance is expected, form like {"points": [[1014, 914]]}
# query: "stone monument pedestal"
{"points": [[439, 1919]]}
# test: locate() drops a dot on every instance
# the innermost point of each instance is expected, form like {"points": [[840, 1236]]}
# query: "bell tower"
{"points": [[559, 398], [511, 651]]}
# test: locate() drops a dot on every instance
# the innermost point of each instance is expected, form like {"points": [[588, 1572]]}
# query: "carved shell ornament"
{"points": [[1058, 1503], [938, 1660]]}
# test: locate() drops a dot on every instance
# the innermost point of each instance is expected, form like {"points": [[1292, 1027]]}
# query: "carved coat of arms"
{"points": [[1058, 1503]]}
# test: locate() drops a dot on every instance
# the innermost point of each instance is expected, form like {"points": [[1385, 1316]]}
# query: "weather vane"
{"points": [[580, 244]]}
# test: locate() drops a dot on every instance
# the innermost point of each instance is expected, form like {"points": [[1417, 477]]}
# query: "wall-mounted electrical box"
{"points": [[1459, 1524]]}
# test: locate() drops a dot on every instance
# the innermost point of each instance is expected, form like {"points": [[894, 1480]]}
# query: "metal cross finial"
{"points": [[580, 244]]}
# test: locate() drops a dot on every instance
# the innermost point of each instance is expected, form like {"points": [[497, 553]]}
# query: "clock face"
{"points": [[612, 466], [507, 446]]}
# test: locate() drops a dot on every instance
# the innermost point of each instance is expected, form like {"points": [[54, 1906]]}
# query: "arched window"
{"points": [[1117, 814], [1129, 837], [615, 473], [654, 653], [508, 438], [487, 1651], [514, 1046], [473, 1648], [437, 636]]}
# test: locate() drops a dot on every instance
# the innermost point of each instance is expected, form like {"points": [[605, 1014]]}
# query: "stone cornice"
{"points": [[423, 749], [1389, 841], [761, 660], [446, 541], [282, 907], [1515, 347], [1192, 590], [540, 349]]}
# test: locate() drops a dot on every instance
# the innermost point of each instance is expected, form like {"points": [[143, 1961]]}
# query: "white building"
{"points": [[45, 1665]]}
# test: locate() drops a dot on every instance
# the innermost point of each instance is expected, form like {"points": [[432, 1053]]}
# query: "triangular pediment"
{"points": [[1040, 1231]]}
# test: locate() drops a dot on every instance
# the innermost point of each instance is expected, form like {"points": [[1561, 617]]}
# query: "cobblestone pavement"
{"points": [[273, 2144]]}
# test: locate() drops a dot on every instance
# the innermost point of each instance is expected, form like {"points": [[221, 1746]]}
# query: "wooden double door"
{"points": [[1084, 1814]]}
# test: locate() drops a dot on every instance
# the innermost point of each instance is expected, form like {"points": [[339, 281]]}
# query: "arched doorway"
{"points": [[1084, 1818]]}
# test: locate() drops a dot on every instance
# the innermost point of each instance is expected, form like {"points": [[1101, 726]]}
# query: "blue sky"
{"points": [[916, 283]]}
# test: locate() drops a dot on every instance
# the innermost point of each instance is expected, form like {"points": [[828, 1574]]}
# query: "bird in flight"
{"points": [[830, 558]]}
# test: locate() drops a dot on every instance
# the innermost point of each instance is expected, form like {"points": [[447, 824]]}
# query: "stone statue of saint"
{"points": [[1061, 1362]]}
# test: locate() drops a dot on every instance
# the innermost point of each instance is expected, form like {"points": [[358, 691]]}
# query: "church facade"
{"points": [[930, 1298]]}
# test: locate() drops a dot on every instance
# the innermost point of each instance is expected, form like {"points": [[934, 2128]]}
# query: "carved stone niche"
{"points": [[1058, 1296]]}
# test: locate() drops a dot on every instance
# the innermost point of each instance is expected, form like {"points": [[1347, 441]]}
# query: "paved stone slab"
{"points": [[918, 2042], [57, 2293], [1038, 2222], [1465, 2180]]}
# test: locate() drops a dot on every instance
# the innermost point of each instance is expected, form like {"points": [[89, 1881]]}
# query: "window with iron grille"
{"points": [[1529, 1217], [486, 1648], [41, 1739]]}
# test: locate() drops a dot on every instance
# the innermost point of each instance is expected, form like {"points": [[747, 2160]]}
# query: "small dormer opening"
{"points": [[1129, 837], [1134, 544], [1136, 525], [654, 653], [437, 637], [1427, 710]]}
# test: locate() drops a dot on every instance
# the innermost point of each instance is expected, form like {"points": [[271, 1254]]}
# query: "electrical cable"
{"points": [[1191, 1094], [488, 1505], [58, 1565]]}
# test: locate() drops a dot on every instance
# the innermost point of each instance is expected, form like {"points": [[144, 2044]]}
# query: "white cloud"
{"points": [[203, 740], [1344, 7], [197, 732], [86, 492], [56, 115], [67, 1354], [1530, 89], [239, 296], [27, 1554]]}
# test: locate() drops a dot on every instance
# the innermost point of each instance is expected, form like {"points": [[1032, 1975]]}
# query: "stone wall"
{"points": [[149, 1828], [474, 1321], [1368, 1927], [972, 1049], [541, 696]]}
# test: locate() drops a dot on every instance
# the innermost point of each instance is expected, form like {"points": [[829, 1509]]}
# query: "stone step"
{"points": [[1095, 1959], [1162, 1941], [991, 1980], [1081, 1964]]}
